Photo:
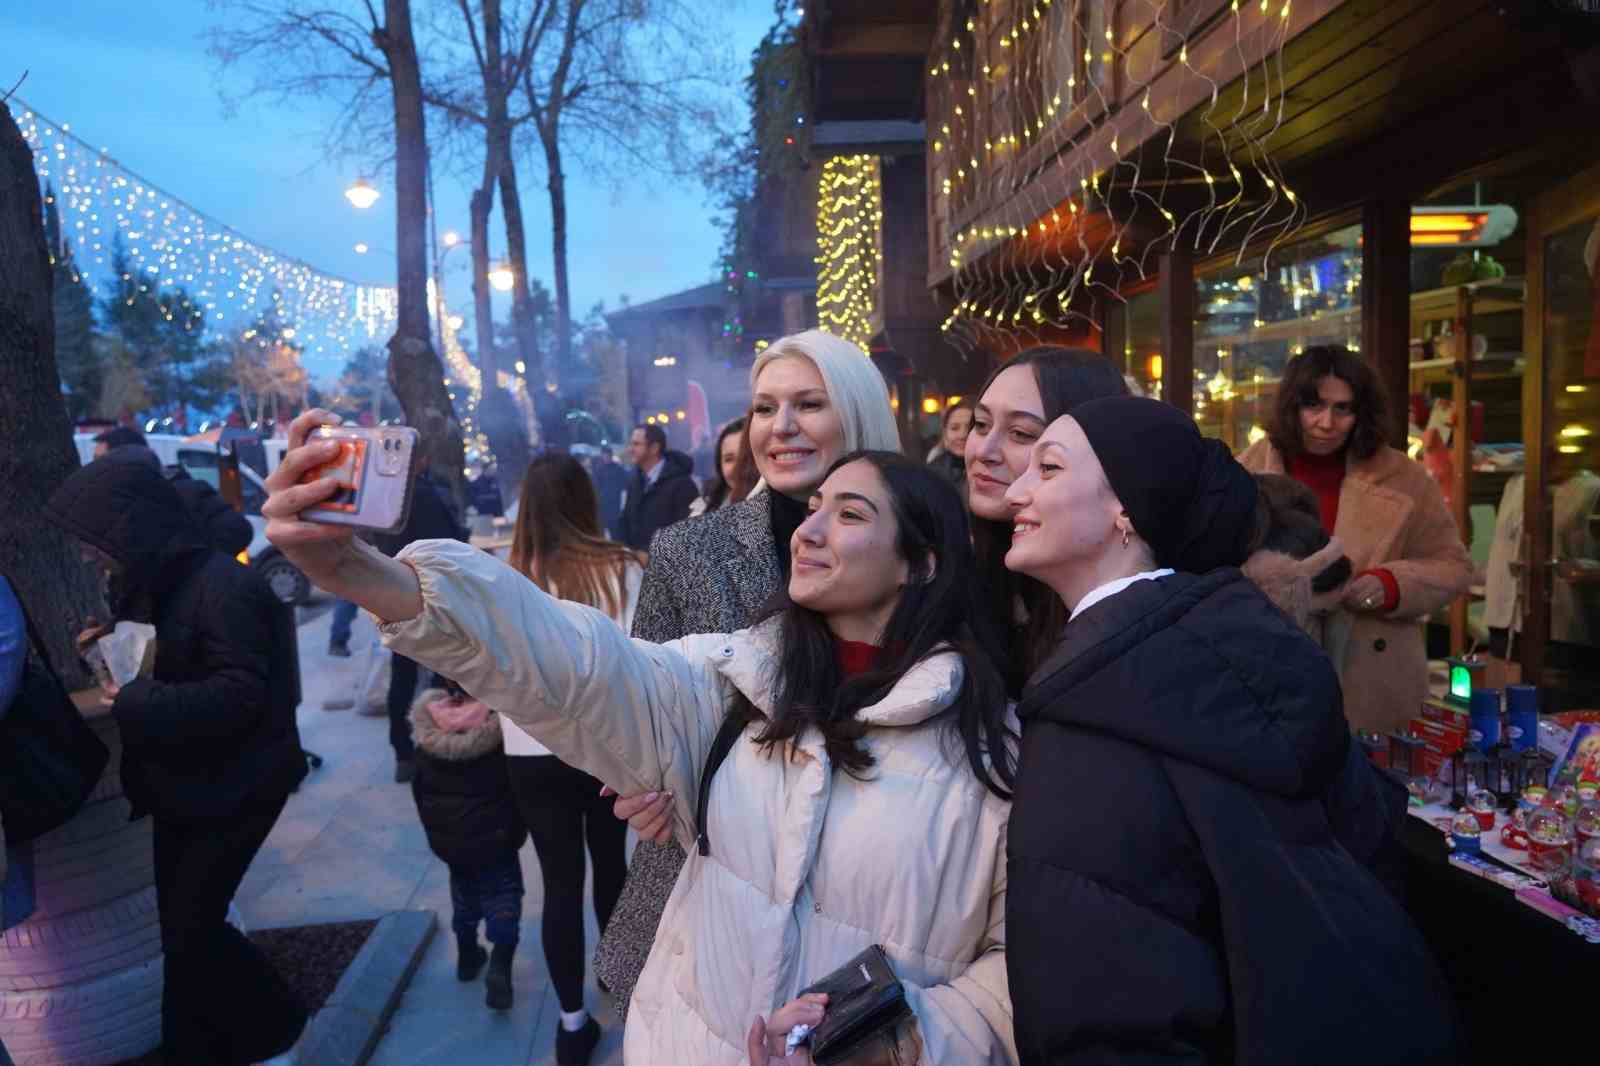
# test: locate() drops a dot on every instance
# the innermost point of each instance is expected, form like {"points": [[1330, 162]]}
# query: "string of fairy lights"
{"points": [[229, 277], [849, 246], [172, 243], [1025, 112]]}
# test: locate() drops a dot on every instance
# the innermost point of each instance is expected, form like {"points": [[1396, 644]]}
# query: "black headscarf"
{"points": [[1188, 499]]}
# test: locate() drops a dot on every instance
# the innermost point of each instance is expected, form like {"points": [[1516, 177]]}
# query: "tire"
{"points": [[104, 1021], [96, 858], [285, 580], [78, 947]]}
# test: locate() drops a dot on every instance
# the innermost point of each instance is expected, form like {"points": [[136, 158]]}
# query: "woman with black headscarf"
{"points": [[1191, 827]]}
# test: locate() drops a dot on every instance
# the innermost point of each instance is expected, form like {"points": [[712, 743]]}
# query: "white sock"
{"points": [[574, 1020]]}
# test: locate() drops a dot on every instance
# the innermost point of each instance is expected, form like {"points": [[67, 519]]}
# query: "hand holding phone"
{"points": [[373, 471], [323, 546]]}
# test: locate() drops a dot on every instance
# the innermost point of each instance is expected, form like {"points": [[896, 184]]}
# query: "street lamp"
{"points": [[362, 194], [502, 277], [361, 248], [451, 238]]}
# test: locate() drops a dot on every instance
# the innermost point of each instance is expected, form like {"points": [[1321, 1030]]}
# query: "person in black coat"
{"points": [[660, 492], [1192, 824], [465, 802], [210, 749], [431, 518], [225, 529]]}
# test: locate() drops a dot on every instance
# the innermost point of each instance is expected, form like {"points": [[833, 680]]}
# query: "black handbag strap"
{"points": [[732, 728], [35, 641]]}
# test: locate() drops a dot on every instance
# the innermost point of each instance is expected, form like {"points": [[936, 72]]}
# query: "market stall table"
{"points": [[1520, 978]]}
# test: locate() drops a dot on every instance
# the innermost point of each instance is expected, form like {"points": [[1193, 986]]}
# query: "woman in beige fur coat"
{"points": [[1390, 516]]}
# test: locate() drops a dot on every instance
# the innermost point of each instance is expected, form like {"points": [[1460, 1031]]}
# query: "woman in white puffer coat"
{"points": [[864, 802]]}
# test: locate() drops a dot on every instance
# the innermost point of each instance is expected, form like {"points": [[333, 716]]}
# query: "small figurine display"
{"points": [[1465, 833], [1586, 824], [1550, 841], [1483, 804], [1567, 799], [1586, 876]]}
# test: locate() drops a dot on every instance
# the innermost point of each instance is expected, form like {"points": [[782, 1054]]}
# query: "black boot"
{"points": [[497, 982], [470, 958], [574, 1048]]}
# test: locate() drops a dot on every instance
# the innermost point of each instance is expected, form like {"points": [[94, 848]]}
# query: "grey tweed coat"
{"points": [[708, 574]]}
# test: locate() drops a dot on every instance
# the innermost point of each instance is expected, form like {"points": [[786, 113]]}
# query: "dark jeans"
{"points": [[222, 1002], [489, 894], [344, 616], [563, 809], [402, 690]]}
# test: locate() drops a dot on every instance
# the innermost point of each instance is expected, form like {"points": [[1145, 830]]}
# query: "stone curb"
{"points": [[346, 1031]]}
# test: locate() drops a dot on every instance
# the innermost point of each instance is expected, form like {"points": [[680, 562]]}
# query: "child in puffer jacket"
{"points": [[464, 799]]}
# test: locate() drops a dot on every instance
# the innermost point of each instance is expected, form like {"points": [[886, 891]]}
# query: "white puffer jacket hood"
{"points": [[807, 866]]}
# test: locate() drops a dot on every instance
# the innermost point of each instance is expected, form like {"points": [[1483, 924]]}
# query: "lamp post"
{"points": [[362, 194]]}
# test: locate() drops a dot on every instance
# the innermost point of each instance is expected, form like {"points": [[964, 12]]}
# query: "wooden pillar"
{"points": [[1177, 329], [1386, 303]]}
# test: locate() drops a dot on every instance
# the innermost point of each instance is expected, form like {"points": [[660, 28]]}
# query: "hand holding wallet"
{"points": [[865, 1000]]}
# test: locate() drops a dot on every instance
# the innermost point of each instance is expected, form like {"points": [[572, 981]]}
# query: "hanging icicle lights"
{"points": [[172, 243], [849, 246], [1054, 146]]}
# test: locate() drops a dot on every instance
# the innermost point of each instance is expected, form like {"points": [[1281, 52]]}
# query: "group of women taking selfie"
{"points": [[863, 705]]}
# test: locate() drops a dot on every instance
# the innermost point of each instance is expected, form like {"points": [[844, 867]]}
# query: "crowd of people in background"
{"points": [[1078, 673]]}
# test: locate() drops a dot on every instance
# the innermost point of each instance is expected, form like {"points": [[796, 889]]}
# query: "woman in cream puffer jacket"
{"points": [[808, 864]]}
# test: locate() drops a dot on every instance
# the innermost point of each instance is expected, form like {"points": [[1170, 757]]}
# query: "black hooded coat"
{"points": [[213, 730], [651, 508], [1189, 847]]}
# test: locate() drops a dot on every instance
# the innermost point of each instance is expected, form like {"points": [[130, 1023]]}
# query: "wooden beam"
{"points": [[1385, 303], [1177, 329]]}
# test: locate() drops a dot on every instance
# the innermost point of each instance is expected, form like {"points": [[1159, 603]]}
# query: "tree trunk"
{"points": [[522, 295], [415, 371], [483, 314], [549, 133], [36, 451]]}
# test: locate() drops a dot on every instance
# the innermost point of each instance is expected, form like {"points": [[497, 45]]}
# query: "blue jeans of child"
{"points": [[489, 894]]}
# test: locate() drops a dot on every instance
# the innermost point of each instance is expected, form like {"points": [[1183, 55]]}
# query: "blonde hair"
{"points": [[855, 388]]}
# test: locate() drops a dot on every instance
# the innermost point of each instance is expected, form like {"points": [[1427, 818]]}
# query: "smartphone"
{"points": [[374, 469]]}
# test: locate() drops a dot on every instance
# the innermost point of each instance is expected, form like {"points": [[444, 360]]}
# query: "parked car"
{"points": [[202, 457]]}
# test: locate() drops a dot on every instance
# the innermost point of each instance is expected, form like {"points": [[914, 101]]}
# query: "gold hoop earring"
{"points": [[1127, 535]]}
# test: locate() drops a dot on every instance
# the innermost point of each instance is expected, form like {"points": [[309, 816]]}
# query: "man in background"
{"points": [[660, 491]]}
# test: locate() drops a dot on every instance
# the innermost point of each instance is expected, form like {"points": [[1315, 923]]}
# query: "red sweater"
{"points": [[855, 657], [1324, 475]]}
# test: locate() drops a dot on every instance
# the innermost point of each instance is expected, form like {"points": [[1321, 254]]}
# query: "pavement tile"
{"points": [[349, 846]]}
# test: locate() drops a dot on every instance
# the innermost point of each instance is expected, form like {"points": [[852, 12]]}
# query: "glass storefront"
{"points": [[1142, 360], [1250, 321]]}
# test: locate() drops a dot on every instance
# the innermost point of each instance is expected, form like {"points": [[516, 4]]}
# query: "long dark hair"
{"points": [[558, 543], [1299, 389], [722, 491], [1066, 377], [941, 610]]}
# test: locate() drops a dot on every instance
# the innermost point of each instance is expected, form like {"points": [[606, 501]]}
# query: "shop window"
{"points": [[1142, 358], [1250, 321], [1468, 285]]}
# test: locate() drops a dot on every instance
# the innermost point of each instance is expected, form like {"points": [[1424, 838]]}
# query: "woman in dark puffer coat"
{"points": [[1191, 828]]}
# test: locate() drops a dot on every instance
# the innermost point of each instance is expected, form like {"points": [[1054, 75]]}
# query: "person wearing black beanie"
{"points": [[1193, 831]]}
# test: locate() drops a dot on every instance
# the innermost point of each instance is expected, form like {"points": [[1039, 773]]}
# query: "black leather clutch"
{"points": [[865, 999]]}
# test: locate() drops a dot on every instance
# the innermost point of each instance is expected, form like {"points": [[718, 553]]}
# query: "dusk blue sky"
{"points": [[136, 79]]}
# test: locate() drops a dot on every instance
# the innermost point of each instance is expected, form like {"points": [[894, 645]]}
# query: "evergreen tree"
{"points": [[164, 334], [72, 304]]}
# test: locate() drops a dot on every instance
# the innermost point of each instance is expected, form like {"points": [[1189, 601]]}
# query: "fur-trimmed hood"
{"points": [[454, 747], [1286, 581]]}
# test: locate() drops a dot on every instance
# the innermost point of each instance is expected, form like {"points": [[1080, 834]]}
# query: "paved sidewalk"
{"points": [[349, 846]]}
